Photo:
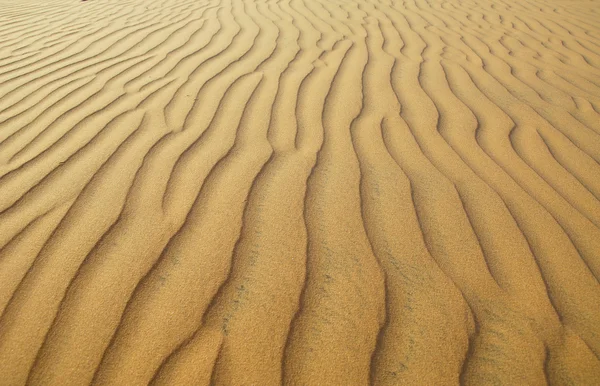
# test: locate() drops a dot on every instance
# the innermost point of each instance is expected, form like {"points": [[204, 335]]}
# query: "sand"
{"points": [[299, 192]]}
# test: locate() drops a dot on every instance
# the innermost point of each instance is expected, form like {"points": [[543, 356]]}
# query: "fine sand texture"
{"points": [[299, 192]]}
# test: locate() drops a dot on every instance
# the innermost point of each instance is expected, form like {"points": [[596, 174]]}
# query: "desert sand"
{"points": [[299, 192]]}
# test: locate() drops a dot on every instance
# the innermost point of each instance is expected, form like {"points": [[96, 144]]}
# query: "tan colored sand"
{"points": [[299, 192]]}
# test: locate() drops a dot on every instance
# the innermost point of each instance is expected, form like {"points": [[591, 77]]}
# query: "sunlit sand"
{"points": [[299, 192]]}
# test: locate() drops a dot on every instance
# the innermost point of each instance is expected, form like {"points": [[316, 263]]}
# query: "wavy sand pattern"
{"points": [[306, 192]]}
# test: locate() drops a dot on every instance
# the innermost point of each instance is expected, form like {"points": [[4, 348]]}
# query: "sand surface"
{"points": [[299, 192]]}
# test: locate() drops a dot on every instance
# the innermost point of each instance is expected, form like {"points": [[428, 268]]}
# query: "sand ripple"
{"points": [[302, 192]]}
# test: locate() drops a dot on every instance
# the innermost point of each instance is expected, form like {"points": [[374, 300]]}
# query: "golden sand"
{"points": [[299, 192]]}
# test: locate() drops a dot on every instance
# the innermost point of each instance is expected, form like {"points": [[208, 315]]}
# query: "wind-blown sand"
{"points": [[306, 192]]}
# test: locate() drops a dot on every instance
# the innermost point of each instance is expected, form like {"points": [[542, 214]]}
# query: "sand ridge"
{"points": [[311, 192]]}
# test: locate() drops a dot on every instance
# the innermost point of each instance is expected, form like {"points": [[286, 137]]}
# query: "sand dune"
{"points": [[302, 192]]}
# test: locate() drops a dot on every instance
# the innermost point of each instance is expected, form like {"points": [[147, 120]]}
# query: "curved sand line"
{"points": [[299, 192]]}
